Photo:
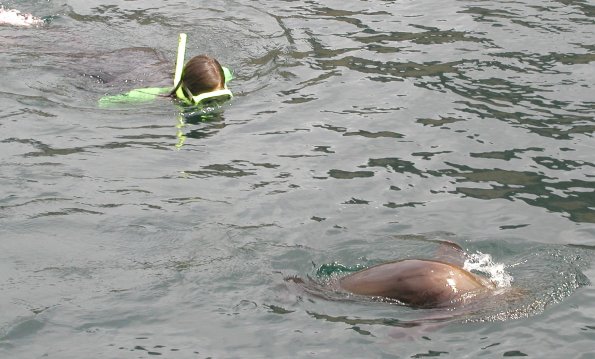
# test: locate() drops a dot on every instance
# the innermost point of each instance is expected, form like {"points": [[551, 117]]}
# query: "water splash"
{"points": [[17, 18], [481, 262]]}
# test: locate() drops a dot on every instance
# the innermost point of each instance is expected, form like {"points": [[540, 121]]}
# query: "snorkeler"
{"points": [[200, 82]]}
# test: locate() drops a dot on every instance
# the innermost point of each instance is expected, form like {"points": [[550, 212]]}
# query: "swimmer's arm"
{"points": [[135, 96]]}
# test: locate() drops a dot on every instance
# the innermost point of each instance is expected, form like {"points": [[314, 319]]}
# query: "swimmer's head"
{"points": [[201, 74]]}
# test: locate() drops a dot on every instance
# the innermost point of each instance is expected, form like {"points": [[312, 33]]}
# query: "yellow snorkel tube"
{"points": [[221, 95], [180, 65]]}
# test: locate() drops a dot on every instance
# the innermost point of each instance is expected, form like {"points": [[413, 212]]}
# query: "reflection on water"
{"points": [[123, 231]]}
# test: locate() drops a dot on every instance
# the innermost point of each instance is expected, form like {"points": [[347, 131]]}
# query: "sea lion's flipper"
{"points": [[447, 252], [450, 252]]}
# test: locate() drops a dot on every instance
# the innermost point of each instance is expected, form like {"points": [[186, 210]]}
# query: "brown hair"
{"points": [[201, 74]]}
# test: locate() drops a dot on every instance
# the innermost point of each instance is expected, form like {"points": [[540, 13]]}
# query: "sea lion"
{"points": [[418, 283], [439, 282], [425, 283]]}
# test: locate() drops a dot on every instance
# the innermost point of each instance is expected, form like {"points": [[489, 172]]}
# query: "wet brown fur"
{"points": [[415, 282]]}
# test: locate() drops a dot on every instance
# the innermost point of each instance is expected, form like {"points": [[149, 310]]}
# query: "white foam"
{"points": [[17, 18], [495, 271]]}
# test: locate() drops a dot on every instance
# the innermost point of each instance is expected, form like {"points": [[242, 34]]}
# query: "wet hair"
{"points": [[201, 74]]}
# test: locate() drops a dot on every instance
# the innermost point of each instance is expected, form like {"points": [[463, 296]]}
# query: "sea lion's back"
{"points": [[422, 283]]}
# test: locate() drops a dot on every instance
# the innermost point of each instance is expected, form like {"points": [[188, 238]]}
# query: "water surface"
{"points": [[356, 126]]}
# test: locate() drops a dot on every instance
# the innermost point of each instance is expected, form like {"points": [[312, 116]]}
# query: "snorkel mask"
{"points": [[184, 94]]}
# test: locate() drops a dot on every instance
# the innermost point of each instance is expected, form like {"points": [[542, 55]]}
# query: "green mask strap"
{"points": [[227, 74], [180, 65]]}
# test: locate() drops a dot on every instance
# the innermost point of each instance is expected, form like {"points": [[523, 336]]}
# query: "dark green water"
{"points": [[359, 130]]}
